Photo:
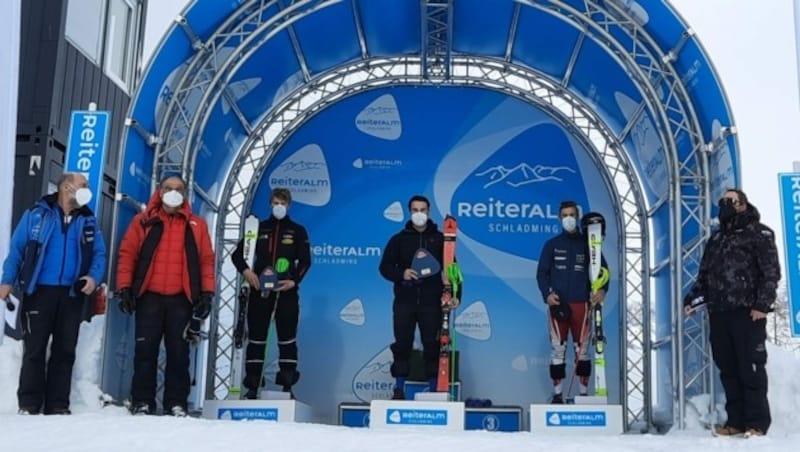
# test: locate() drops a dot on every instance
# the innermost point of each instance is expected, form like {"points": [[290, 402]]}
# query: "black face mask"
{"points": [[726, 210]]}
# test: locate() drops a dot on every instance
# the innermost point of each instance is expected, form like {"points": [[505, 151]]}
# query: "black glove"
{"points": [[202, 308], [78, 287], [127, 302], [192, 332]]}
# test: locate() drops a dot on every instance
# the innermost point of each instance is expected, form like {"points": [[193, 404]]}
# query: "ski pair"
{"points": [[237, 361], [451, 297], [598, 276]]}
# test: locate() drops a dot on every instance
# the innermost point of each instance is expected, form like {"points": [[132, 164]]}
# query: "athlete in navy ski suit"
{"points": [[563, 279]]}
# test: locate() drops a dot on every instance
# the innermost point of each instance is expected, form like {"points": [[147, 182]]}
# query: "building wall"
{"points": [[55, 79]]}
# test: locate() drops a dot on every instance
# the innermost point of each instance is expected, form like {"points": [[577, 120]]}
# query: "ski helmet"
{"points": [[593, 218]]}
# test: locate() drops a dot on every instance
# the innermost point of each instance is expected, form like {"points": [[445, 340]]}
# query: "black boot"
{"points": [[140, 409], [289, 390], [250, 394], [398, 394], [557, 399]]}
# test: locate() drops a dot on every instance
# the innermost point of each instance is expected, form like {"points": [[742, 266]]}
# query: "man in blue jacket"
{"points": [[56, 258], [563, 279]]}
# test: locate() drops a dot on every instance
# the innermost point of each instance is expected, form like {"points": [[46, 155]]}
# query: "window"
{"points": [[106, 31], [84, 26], [120, 27]]}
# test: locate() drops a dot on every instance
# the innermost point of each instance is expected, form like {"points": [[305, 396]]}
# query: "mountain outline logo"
{"points": [[302, 165], [522, 174]]}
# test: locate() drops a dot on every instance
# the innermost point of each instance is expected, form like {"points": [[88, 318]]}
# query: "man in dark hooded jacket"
{"points": [[737, 281], [417, 294]]}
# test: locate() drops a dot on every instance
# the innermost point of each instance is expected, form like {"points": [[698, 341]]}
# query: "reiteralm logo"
{"points": [[189, 99], [353, 313], [649, 150], [374, 380], [305, 173], [474, 322], [380, 119]]}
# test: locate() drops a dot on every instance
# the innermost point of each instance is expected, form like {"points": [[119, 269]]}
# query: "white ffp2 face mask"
{"points": [[172, 198], [82, 196], [419, 219], [569, 223], [279, 211]]}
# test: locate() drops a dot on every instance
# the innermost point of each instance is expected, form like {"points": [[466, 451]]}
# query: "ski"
{"points": [[237, 361], [450, 299], [598, 275]]}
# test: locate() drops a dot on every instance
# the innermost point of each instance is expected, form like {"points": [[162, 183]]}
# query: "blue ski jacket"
{"points": [[564, 268], [45, 252]]}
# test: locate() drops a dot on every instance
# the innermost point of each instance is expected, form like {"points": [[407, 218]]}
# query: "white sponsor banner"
{"points": [[797, 37], [9, 76]]}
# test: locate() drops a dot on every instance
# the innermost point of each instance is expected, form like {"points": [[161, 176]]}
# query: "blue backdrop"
{"points": [[500, 165]]}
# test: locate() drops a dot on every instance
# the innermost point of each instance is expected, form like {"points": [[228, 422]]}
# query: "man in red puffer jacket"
{"points": [[165, 273]]}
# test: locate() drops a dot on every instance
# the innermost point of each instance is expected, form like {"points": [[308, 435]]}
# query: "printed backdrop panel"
{"points": [[498, 164]]}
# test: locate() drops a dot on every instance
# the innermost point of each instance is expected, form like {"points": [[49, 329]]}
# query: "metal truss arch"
{"points": [[205, 79], [487, 74], [204, 82]]}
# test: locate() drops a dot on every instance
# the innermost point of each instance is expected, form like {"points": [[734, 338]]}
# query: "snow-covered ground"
{"points": [[92, 428]]}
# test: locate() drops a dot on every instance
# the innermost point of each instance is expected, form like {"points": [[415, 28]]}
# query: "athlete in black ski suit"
{"points": [[278, 237], [737, 279]]}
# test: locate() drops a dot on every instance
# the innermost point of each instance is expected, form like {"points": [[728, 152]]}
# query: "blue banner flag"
{"points": [[790, 202], [86, 150]]}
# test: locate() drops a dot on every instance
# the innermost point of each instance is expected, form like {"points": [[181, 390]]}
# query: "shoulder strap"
{"points": [[192, 261], [156, 229]]}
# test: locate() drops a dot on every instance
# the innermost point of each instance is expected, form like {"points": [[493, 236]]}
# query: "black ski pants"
{"points": [[49, 311], [161, 317], [406, 316], [738, 348], [285, 306]]}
